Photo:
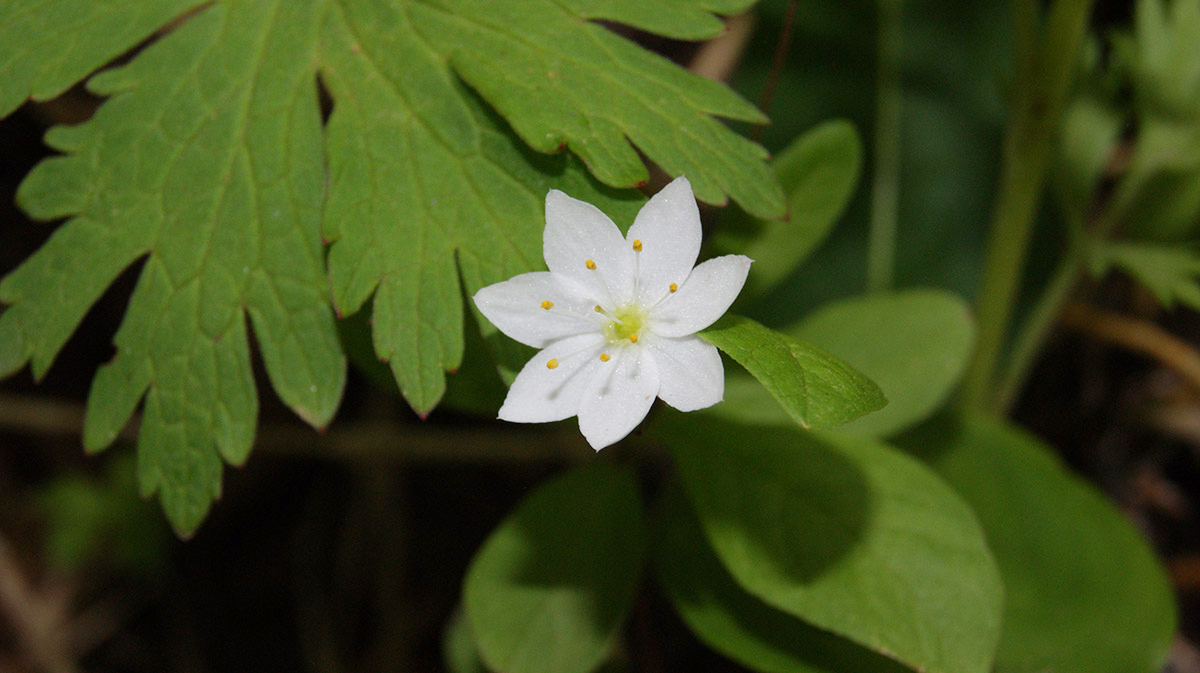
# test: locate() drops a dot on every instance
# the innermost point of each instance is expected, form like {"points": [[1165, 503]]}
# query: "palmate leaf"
{"points": [[210, 161]]}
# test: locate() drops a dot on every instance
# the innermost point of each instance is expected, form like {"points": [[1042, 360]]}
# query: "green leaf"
{"points": [[913, 343], [210, 162], [458, 646], [207, 161], [816, 389], [1170, 273], [51, 44], [1084, 591], [819, 172], [92, 520], [849, 535], [560, 80], [549, 589], [733, 622], [1090, 131]]}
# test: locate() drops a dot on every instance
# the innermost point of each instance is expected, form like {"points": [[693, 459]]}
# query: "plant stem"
{"points": [[1045, 71], [885, 183]]}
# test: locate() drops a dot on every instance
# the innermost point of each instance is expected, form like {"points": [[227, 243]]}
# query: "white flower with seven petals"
{"points": [[616, 317]]}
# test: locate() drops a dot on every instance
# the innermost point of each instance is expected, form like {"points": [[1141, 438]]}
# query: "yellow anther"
{"points": [[590, 264], [632, 338], [547, 304], [604, 357], [637, 245], [674, 287], [552, 363], [598, 309]]}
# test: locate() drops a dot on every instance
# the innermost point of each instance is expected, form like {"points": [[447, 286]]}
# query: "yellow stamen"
{"points": [[674, 287], [604, 357], [637, 245], [547, 304], [590, 264], [632, 338], [598, 309], [552, 363]]}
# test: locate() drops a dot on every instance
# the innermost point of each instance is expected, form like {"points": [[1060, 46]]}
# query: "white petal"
{"points": [[668, 227], [540, 394], [703, 298], [690, 372], [576, 232], [619, 397], [515, 308]]}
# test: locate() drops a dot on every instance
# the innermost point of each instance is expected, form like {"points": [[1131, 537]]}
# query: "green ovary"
{"points": [[629, 321]]}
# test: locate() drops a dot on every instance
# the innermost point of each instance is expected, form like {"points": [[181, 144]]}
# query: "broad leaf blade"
{"points": [[220, 183], [914, 344], [818, 172], [816, 389], [559, 80], [849, 535], [1085, 593], [548, 590], [51, 44], [733, 622]]}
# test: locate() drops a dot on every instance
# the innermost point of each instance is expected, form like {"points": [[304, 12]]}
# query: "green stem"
{"points": [[885, 185], [1046, 72]]}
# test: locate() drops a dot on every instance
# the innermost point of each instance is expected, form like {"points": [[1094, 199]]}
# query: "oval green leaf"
{"points": [[731, 621], [1085, 593], [549, 589], [819, 172], [848, 535], [816, 389]]}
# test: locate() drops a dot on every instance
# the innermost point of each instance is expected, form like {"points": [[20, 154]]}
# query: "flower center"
{"points": [[626, 325]]}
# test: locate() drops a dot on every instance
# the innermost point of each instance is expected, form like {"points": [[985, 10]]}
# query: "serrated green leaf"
{"points": [[818, 172], [559, 80], [1084, 591], [51, 44], [914, 344], [733, 622], [548, 590], [852, 536], [816, 389], [207, 160], [1170, 273]]}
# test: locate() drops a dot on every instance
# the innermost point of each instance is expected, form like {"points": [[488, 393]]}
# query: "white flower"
{"points": [[616, 317]]}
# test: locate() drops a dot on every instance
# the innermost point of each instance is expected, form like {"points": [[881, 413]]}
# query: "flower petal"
{"points": [[668, 227], [516, 308], [576, 232], [690, 372], [619, 397], [540, 394], [703, 298]]}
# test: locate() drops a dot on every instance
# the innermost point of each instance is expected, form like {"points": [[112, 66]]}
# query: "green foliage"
{"points": [[849, 535], [732, 621], [819, 172], [914, 344], [89, 519], [1170, 273], [549, 589], [209, 161], [815, 388], [1084, 593]]}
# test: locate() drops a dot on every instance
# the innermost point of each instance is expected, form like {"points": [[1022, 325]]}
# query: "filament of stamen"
{"points": [[600, 309]]}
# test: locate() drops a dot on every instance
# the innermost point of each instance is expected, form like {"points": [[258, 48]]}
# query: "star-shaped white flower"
{"points": [[616, 317]]}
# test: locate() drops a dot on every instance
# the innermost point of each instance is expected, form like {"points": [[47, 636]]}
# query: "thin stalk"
{"points": [[1046, 73], [885, 184], [1032, 335]]}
